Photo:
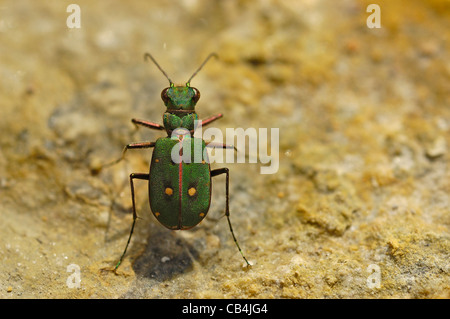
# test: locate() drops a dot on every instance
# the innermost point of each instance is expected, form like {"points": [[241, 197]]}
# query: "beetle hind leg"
{"points": [[220, 171], [133, 176]]}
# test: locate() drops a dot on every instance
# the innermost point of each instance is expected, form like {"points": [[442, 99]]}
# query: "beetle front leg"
{"points": [[220, 171], [132, 176], [147, 124], [211, 119]]}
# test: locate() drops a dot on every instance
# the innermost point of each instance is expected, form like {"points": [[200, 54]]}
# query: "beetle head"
{"points": [[180, 97]]}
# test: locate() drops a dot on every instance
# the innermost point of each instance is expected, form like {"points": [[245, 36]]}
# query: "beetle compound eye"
{"points": [[164, 95], [196, 96]]}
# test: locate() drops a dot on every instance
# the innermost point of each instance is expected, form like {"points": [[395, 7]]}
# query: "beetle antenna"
{"points": [[201, 66], [148, 55]]}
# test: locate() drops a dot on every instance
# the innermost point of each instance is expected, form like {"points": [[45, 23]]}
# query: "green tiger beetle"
{"points": [[179, 193]]}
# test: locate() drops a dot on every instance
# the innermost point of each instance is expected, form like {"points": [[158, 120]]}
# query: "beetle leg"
{"points": [[211, 119], [147, 124], [220, 145], [250, 157], [220, 171], [126, 148], [132, 176]]}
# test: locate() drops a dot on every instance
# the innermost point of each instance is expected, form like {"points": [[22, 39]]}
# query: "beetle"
{"points": [[179, 189]]}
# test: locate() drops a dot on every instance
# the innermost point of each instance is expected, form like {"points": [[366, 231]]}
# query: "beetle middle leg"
{"points": [[137, 145], [220, 171], [220, 145], [133, 176]]}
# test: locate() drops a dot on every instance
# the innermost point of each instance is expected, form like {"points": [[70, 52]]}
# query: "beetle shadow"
{"points": [[165, 256]]}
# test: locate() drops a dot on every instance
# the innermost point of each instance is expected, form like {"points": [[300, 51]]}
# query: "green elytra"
{"points": [[179, 192]]}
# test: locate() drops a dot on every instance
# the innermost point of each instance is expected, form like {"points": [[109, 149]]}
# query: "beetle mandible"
{"points": [[179, 193]]}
